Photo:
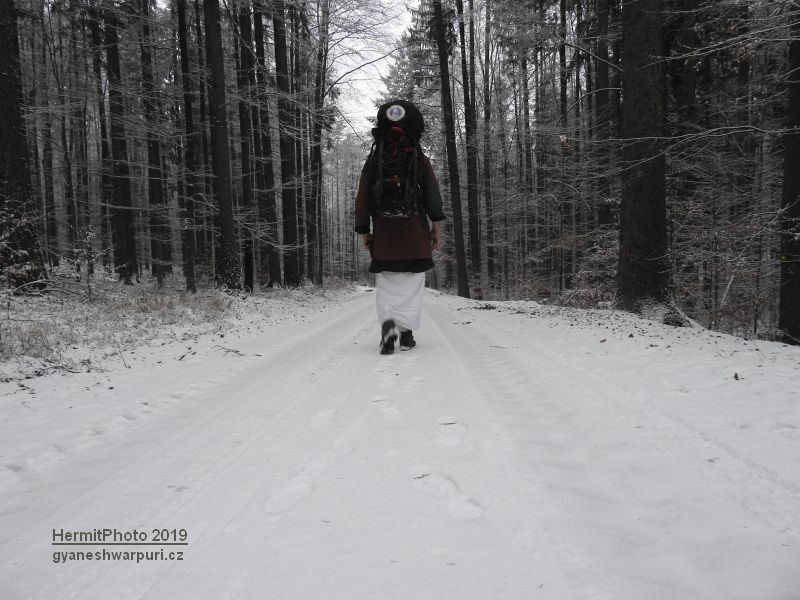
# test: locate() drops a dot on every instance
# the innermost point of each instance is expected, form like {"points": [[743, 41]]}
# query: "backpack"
{"points": [[393, 175]]}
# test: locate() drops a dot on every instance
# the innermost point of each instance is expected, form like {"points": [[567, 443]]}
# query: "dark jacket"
{"points": [[401, 244]]}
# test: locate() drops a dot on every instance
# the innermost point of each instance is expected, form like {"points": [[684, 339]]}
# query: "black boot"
{"points": [[388, 336], [407, 341]]}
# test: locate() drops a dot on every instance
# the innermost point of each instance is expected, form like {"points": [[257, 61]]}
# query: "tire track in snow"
{"points": [[201, 447], [758, 489], [523, 511]]}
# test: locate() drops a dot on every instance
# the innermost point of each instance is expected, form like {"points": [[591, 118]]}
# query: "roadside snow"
{"points": [[519, 451]]}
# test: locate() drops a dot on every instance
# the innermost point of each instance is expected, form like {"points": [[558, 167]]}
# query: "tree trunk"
{"points": [[50, 218], [488, 161], [562, 60], [190, 156], [305, 222], [79, 141], [122, 224], [227, 270], [530, 220], [206, 249], [452, 157], [105, 151], [643, 273], [315, 241], [291, 253], [160, 246], [267, 206], [21, 260], [789, 313], [470, 127], [245, 133], [602, 116]]}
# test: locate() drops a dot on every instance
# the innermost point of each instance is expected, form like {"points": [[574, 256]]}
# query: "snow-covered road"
{"points": [[517, 452]]}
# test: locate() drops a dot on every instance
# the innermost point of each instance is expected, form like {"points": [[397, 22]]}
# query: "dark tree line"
{"points": [[593, 151], [181, 134], [634, 153]]}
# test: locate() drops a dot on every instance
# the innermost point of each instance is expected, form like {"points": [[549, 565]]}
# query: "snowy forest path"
{"points": [[497, 459]]}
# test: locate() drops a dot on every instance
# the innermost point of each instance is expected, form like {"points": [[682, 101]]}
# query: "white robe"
{"points": [[399, 297]]}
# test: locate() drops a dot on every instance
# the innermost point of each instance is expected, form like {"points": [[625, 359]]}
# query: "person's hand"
{"points": [[365, 240], [436, 236]]}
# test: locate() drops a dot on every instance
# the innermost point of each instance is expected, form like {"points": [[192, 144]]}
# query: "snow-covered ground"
{"points": [[518, 452]]}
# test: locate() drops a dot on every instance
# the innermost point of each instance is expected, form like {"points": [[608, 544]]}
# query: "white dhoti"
{"points": [[399, 297]]}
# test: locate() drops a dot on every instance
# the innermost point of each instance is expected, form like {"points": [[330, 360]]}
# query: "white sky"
{"points": [[364, 85]]}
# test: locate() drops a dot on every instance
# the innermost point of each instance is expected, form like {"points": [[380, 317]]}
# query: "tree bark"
{"points": [[602, 116], [245, 133], [789, 312], [21, 260], [206, 248], [122, 224], [227, 269], [291, 249], [160, 246], [267, 205], [470, 127], [51, 223], [105, 150], [79, 141], [190, 156], [643, 273], [315, 233], [488, 161], [452, 156]]}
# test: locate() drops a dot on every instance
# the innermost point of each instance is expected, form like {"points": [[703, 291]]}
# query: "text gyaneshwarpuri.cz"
{"points": [[100, 538]]}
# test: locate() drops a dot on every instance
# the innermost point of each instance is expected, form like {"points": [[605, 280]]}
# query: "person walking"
{"points": [[398, 212]]}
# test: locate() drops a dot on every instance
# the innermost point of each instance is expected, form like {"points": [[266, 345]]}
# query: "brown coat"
{"points": [[401, 239]]}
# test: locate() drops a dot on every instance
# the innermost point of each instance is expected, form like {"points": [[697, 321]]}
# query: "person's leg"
{"points": [[385, 303], [408, 309], [407, 305], [399, 304]]}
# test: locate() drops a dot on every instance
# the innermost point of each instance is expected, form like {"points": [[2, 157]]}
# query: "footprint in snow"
{"points": [[394, 417], [457, 504], [407, 362], [323, 419], [411, 384], [295, 489], [387, 381], [451, 432]]}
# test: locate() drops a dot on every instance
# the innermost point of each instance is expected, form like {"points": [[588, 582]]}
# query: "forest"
{"points": [[639, 154]]}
